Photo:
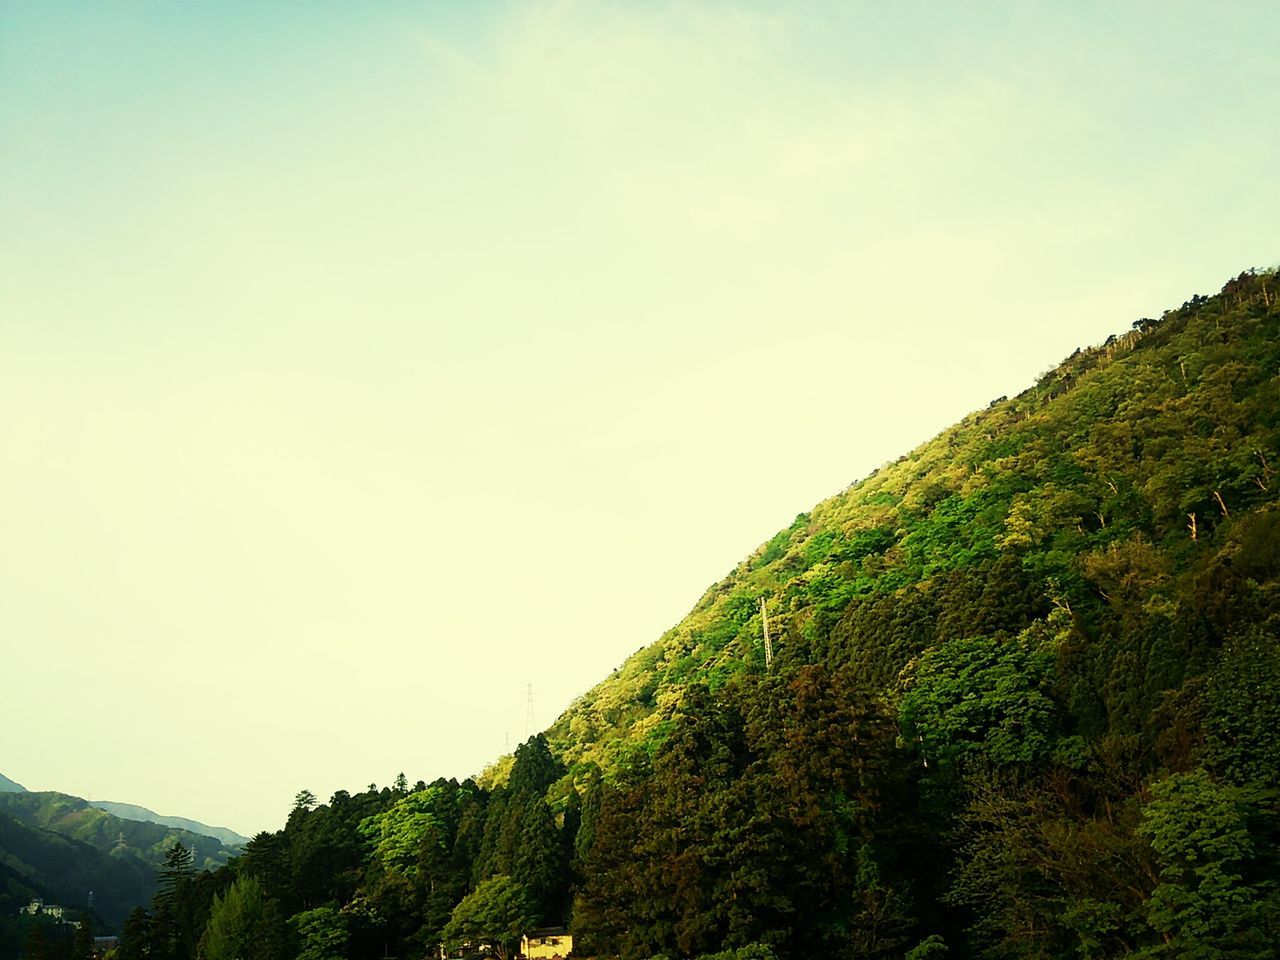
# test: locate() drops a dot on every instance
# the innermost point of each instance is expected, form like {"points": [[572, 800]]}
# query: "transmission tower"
{"points": [[768, 646], [528, 711]]}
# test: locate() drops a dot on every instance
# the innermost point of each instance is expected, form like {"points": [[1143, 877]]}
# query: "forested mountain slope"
{"points": [[59, 848], [1025, 702], [42, 863], [1129, 472], [84, 821]]}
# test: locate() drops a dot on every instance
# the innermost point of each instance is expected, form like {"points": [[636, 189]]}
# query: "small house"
{"points": [[548, 943]]}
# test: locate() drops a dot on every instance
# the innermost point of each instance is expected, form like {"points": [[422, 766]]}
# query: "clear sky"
{"points": [[363, 363]]}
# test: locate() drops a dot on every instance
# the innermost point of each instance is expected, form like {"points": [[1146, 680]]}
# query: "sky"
{"points": [[362, 365]]}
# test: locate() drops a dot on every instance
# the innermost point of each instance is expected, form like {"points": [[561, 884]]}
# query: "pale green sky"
{"points": [[361, 364]]}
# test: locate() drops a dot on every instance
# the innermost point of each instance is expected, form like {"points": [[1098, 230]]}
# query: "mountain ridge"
{"points": [[130, 811], [10, 786]]}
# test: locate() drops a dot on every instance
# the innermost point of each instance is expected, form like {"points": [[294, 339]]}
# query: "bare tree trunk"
{"points": [[1225, 511]]}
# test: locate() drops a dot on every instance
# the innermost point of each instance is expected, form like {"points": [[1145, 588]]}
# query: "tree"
{"points": [[1242, 724], [175, 924], [396, 834], [243, 925], [1203, 906], [499, 912], [535, 769], [322, 932], [177, 871], [979, 697], [135, 936], [540, 863], [82, 942]]}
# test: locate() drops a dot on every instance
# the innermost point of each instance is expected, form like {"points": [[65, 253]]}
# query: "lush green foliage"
{"points": [[499, 911], [242, 925]]}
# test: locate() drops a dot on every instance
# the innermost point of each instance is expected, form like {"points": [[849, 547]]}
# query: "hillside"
{"points": [[129, 811], [1047, 500], [1024, 702], [59, 848], [42, 863], [83, 821]]}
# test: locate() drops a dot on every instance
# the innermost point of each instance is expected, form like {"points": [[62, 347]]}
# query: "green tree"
{"points": [[243, 925], [322, 934], [540, 861], [535, 768], [499, 912], [1203, 907], [1242, 722], [396, 834], [980, 697], [82, 942], [135, 936]]}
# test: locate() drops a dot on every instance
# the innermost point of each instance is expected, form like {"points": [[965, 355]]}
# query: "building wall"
{"points": [[546, 948]]}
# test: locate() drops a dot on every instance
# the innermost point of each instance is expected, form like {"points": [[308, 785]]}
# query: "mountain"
{"points": [[80, 820], [129, 811], [1023, 701], [59, 848], [9, 786], [40, 863], [1150, 457]]}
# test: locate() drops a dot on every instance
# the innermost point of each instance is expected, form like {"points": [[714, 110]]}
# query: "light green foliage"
{"points": [[1203, 907], [498, 911], [396, 834], [242, 925], [322, 934], [932, 947]]}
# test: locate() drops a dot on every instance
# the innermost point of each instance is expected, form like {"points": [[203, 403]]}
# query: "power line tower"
{"points": [[528, 711], [768, 646]]}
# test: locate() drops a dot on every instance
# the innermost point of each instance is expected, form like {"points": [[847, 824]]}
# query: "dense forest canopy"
{"points": [[1024, 702]]}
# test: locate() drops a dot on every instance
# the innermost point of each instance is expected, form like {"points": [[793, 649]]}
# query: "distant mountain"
{"points": [[129, 811], [60, 848], [41, 863], [10, 786], [78, 819]]}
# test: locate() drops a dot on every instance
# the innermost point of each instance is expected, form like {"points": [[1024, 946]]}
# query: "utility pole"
{"points": [[768, 647]]}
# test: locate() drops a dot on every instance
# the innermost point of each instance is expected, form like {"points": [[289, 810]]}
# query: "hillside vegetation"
{"points": [[1025, 702], [1046, 500]]}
